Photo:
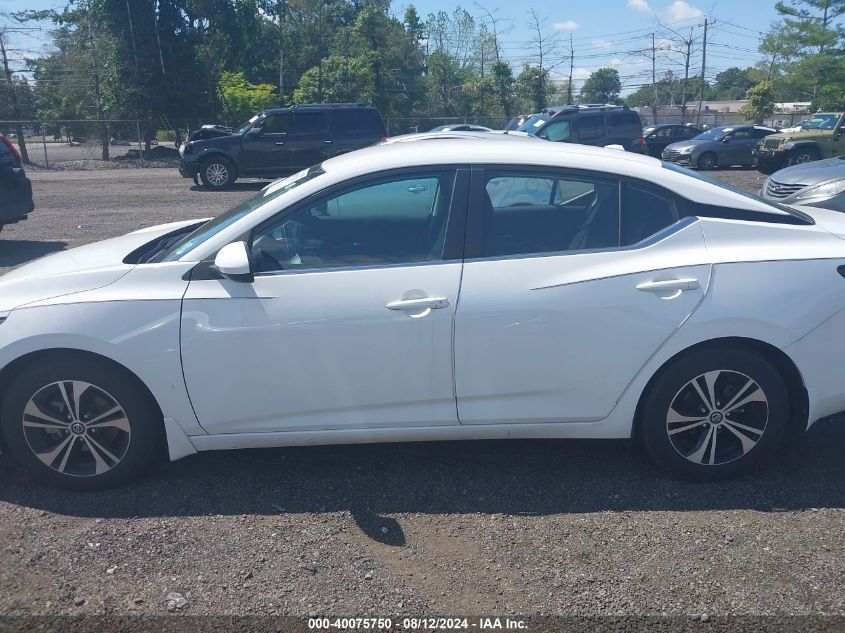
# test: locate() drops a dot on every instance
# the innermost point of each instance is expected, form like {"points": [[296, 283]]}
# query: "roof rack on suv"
{"points": [[329, 105]]}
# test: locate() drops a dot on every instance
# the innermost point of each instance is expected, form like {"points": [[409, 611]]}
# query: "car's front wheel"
{"points": [[707, 161], [714, 413], [217, 173], [76, 423]]}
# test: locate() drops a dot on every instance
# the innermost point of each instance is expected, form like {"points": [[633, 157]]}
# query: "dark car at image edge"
{"points": [[281, 141], [15, 188]]}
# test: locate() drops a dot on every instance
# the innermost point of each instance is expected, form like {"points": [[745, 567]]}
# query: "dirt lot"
{"points": [[554, 527]]}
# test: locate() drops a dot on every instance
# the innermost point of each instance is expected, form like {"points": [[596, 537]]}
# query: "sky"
{"points": [[614, 33]]}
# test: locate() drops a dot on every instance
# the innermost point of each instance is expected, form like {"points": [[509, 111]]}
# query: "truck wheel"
{"points": [[768, 167], [217, 173], [803, 155]]}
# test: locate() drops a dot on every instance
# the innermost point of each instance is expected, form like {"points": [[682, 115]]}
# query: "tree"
{"points": [[242, 99], [534, 89], [761, 102], [603, 86], [732, 84]]}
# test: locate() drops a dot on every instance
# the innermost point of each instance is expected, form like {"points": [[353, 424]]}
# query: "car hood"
{"points": [[76, 270], [812, 173], [688, 143]]}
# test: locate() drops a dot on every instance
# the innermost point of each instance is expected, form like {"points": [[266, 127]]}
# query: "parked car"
{"points": [[720, 147], [820, 137], [659, 137], [281, 141], [817, 184], [588, 125], [210, 131], [516, 121], [15, 188], [356, 301], [427, 136], [461, 127]]}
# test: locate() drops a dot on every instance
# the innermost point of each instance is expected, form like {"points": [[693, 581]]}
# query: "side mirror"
{"points": [[232, 261], [727, 139]]}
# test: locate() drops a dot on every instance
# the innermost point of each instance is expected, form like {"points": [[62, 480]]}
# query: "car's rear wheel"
{"points": [[79, 424], [714, 414], [803, 155], [707, 161], [217, 173]]}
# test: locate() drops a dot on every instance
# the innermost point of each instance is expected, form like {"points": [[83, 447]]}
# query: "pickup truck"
{"points": [[819, 137]]}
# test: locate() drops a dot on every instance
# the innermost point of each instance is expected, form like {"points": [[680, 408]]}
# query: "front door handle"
{"points": [[668, 285], [426, 303], [280, 142], [328, 142]]}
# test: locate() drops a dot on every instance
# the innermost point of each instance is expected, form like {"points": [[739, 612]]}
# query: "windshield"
{"points": [[213, 227], [722, 185], [716, 134], [244, 127], [821, 122], [533, 123]]}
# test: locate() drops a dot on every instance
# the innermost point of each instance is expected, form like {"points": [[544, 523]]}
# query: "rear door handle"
{"points": [[280, 142], [431, 303], [668, 285], [328, 142]]}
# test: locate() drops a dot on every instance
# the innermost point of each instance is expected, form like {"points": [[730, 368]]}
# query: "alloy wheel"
{"points": [[217, 174], [76, 428], [806, 157], [708, 161], [717, 417]]}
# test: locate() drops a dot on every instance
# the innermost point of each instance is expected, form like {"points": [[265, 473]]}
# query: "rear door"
{"points": [[590, 129], [310, 139], [572, 281]]}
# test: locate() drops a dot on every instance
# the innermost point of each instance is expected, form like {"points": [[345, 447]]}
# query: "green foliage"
{"points": [[242, 99], [603, 86], [761, 102]]}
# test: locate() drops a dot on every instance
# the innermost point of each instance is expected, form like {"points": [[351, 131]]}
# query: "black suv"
{"points": [[281, 141], [15, 188], [588, 125]]}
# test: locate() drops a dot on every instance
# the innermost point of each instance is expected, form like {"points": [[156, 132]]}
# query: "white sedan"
{"points": [[434, 290]]}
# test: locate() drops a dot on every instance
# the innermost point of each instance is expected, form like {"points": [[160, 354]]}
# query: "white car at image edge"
{"points": [[434, 290]]}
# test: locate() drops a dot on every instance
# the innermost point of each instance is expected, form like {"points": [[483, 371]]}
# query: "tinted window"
{"points": [[644, 213], [309, 123], [526, 214], [402, 220], [557, 131], [590, 127], [758, 133], [358, 122], [275, 124], [624, 119]]}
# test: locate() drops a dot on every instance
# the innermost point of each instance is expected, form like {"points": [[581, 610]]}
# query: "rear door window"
{"points": [[589, 128], [309, 123], [644, 213]]}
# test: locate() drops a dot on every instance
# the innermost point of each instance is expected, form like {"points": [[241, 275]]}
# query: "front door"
{"points": [[348, 322], [566, 293], [264, 149]]}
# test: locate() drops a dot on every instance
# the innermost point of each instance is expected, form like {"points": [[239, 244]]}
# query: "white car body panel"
{"points": [[568, 314], [317, 358], [320, 349]]}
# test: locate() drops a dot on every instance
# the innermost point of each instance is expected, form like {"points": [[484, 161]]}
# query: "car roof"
{"points": [[499, 149], [320, 106]]}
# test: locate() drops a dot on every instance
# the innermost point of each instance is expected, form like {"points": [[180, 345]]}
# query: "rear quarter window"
{"points": [[358, 123]]}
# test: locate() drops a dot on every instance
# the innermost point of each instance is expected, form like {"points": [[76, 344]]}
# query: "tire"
{"points": [[803, 155], [768, 167], [706, 161], [120, 447], [218, 173], [673, 404]]}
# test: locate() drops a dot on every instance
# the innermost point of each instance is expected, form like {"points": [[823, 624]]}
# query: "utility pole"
{"points": [[686, 78], [571, 68], [654, 81], [13, 98], [703, 66]]}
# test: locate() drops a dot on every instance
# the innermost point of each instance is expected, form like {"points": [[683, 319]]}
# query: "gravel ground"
{"points": [[523, 527]]}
